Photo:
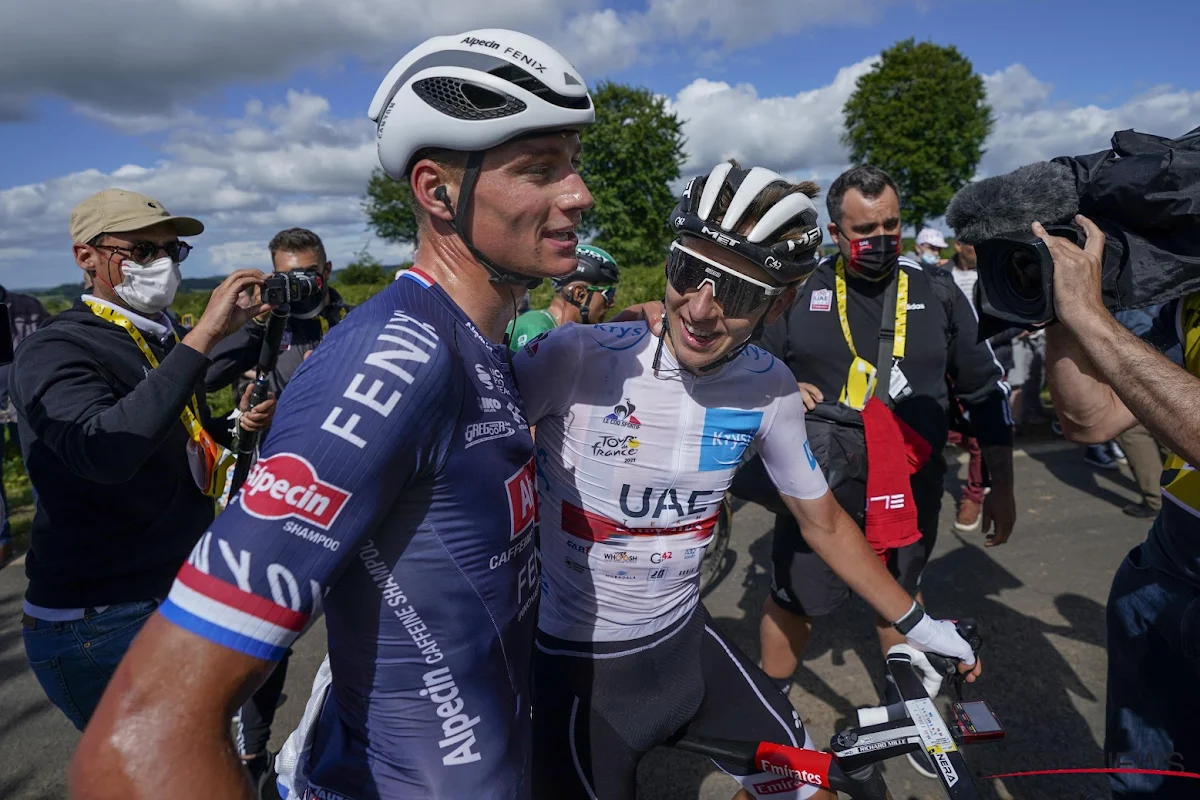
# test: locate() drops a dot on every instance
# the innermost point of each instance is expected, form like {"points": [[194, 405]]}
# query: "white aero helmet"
{"points": [[472, 92]]}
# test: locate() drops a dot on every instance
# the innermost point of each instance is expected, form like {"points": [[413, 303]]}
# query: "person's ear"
{"points": [[834, 233], [431, 191]]}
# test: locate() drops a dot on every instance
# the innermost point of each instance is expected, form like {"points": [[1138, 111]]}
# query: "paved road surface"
{"points": [[1041, 600]]}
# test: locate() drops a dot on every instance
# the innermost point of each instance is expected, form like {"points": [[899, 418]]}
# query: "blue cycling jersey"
{"points": [[396, 489]]}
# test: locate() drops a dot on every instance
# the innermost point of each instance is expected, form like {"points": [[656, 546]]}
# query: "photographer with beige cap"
{"points": [[118, 442]]}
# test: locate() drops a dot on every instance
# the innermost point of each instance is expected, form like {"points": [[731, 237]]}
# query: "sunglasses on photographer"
{"points": [[145, 252], [739, 295]]}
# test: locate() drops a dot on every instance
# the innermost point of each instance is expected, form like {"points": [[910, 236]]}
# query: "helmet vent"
{"points": [[462, 100]]}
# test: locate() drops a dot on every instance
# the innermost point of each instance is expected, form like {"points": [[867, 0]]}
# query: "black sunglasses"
{"points": [[739, 295], [145, 252]]}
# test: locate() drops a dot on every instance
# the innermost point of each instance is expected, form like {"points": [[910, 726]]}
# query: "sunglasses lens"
{"points": [[144, 252], [737, 297], [179, 251]]}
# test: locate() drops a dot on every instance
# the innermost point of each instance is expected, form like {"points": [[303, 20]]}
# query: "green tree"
{"points": [[630, 156], [922, 115], [364, 269], [389, 208]]}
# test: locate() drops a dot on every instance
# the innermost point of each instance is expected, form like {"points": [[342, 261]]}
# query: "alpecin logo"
{"points": [[286, 485]]}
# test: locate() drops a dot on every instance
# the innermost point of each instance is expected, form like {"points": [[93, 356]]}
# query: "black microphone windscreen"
{"points": [[1043, 192]]}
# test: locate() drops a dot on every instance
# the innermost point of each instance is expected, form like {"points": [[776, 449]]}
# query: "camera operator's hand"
{"points": [[1000, 511], [1076, 271], [231, 305], [257, 419]]}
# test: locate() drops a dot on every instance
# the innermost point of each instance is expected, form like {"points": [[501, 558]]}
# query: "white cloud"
{"points": [[148, 56], [293, 163], [796, 133]]}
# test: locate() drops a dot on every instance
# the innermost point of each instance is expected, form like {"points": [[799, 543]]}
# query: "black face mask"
{"points": [[874, 257]]}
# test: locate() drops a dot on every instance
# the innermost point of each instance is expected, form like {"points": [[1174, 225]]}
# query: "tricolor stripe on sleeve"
{"points": [[223, 613]]}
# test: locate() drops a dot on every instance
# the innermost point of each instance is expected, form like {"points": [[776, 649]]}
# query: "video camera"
{"points": [[292, 287], [1143, 194]]}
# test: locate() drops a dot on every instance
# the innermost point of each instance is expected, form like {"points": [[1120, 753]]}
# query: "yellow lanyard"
{"points": [[901, 311], [218, 463], [325, 323]]}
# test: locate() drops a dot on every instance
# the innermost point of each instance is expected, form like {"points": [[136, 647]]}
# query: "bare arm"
{"points": [[838, 541], [1128, 380], [1088, 408], [162, 727]]}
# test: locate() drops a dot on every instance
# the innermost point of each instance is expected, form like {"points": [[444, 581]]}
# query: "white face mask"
{"points": [[149, 288], [930, 258]]}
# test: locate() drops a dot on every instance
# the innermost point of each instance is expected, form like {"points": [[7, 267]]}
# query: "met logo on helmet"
{"points": [[286, 485], [719, 237]]}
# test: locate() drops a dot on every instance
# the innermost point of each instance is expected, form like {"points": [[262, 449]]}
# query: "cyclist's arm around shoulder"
{"points": [[162, 727], [547, 369]]}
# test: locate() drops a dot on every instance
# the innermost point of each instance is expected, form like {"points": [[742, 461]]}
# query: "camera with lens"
{"points": [[1142, 194], [292, 287], [1016, 275]]}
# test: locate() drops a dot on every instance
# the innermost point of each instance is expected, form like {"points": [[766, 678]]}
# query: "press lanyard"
{"points": [[325, 323], [217, 464], [901, 312]]}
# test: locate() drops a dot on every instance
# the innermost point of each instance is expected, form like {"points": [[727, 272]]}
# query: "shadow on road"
{"points": [[1065, 465]]}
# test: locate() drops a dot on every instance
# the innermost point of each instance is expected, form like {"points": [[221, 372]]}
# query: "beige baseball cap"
{"points": [[121, 211]]}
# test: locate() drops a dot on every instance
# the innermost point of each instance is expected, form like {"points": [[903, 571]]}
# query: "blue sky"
{"points": [[171, 102]]}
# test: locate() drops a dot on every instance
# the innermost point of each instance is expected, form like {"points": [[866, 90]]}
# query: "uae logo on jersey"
{"points": [[821, 300], [622, 415], [522, 499], [286, 485]]}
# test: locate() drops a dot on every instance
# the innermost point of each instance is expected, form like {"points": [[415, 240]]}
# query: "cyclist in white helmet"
{"points": [[396, 487], [635, 451]]}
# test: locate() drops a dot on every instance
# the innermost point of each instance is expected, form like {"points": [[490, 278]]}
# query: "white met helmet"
{"points": [[472, 92]]}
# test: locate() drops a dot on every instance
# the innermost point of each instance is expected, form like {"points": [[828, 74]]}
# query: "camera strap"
{"points": [[217, 460], [893, 329]]}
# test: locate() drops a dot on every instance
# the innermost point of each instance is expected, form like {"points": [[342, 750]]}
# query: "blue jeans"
{"points": [[1153, 680], [74, 661]]}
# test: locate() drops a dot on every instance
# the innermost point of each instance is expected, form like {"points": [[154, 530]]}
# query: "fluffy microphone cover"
{"points": [[1006, 204]]}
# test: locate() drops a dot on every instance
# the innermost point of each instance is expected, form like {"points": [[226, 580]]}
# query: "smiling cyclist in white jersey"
{"points": [[634, 454]]}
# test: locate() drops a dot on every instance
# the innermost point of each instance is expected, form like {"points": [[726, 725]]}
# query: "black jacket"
{"points": [[240, 352], [25, 315], [941, 344], [118, 510]]}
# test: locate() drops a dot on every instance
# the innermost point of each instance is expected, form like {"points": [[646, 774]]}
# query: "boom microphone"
{"points": [[1143, 194], [1007, 205]]}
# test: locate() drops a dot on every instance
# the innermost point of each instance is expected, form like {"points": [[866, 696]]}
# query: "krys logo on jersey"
{"points": [[726, 435], [286, 485]]}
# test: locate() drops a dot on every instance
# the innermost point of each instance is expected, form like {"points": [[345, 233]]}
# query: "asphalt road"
{"points": [[1040, 599]]}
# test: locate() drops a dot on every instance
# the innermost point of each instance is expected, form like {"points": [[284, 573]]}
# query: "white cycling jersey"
{"points": [[633, 465]]}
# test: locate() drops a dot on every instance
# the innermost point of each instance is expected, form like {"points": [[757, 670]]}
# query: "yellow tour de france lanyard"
{"points": [[218, 462], [901, 312]]}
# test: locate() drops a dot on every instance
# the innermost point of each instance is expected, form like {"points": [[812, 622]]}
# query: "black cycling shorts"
{"points": [[600, 706], [801, 582]]}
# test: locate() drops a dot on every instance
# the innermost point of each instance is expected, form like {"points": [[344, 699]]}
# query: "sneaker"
{"points": [[921, 763], [1117, 453], [1140, 511], [969, 517], [262, 774], [1097, 455]]}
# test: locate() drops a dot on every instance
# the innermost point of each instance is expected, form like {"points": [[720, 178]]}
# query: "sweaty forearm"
{"points": [[1088, 408], [1154, 391], [844, 548]]}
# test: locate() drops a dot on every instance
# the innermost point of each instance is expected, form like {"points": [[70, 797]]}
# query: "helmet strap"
{"points": [[470, 176], [723, 360]]}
